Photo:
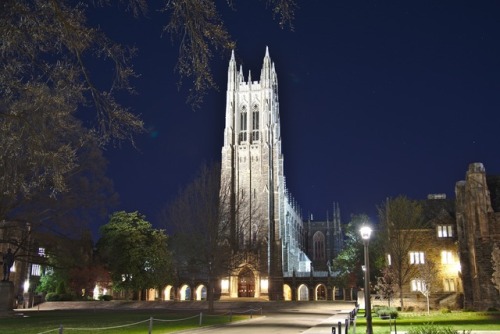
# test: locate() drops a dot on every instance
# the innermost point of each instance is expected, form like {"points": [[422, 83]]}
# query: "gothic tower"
{"points": [[252, 166]]}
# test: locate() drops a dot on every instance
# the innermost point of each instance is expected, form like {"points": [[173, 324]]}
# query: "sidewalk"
{"points": [[326, 326], [333, 321]]}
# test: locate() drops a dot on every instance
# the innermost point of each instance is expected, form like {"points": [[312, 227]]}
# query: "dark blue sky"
{"points": [[377, 99]]}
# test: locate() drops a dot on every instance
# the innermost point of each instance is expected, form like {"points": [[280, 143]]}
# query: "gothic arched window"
{"points": [[319, 246], [255, 122], [243, 124]]}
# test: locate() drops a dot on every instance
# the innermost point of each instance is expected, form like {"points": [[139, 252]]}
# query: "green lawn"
{"points": [[455, 320], [124, 321]]}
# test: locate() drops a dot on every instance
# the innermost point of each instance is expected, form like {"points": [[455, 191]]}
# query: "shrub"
{"points": [[445, 310], [388, 312], [61, 288], [433, 329], [52, 297], [58, 297], [105, 297]]}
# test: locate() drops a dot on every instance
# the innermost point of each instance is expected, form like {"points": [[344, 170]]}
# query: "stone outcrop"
{"points": [[478, 229]]}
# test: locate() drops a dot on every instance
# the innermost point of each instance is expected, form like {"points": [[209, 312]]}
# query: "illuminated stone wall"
{"points": [[478, 227]]}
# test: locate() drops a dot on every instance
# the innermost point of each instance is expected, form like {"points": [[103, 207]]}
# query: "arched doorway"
{"points": [[321, 292], [201, 292], [246, 283], [185, 292], [287, 292], [303, 293], [168, 293]]}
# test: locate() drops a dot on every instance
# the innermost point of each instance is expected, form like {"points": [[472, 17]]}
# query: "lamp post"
{"points": [[366, 231]]}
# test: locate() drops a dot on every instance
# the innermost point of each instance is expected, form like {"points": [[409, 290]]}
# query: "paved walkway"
{"points": [[279, 317]]}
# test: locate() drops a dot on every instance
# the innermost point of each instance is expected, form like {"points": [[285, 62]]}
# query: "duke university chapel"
{"points": [[267, 222]]}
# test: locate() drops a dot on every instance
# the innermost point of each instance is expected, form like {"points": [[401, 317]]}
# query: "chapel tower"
{"points": [[252, 166]]}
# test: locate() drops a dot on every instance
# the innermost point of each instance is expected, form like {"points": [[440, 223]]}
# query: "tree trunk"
{"points": [[401, 297], [210, 297]]}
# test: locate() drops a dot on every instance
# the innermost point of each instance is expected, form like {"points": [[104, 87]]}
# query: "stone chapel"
{"points": [[268, 228]]}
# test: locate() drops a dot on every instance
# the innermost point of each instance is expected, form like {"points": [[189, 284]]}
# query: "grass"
{"points": [[454, 320], [129, 322]]}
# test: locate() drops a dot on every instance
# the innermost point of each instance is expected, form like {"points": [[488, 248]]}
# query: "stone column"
{"points": [[6, 296]]}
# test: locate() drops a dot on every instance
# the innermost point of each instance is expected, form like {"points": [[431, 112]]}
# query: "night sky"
{"points": [[377, 99]]}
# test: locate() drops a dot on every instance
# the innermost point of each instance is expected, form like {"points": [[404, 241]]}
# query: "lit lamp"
{"points": [[366, 231]]}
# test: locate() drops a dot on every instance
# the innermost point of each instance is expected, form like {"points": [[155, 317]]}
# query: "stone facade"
{"points": [[252, 166], [478, 227], [325, 240]]}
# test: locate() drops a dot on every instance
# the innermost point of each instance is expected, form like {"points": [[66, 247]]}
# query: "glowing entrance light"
{"points": [[264, 284], [224, 285], [26, 286], [96, 292]]}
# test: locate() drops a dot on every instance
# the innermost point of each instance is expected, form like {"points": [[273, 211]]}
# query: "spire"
{"points": [[265, 74], [240, 74], [231, 73]]}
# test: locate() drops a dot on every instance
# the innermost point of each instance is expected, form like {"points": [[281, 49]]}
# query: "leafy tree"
{"points": [[64, 259], [49, 281], [200, 31], [70, 212], [46, 90], [400, 218], [348, 263], [135, 253], [52, 105]]}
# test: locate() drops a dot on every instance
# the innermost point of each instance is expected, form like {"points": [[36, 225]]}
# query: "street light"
{"points": [[366, 231]]}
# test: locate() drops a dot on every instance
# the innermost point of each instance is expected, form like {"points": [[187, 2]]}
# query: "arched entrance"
{"points": [[168, 293], [185, 292], [303, 294], [246, 283], [287, 292], [321, 292], [201, 292]]}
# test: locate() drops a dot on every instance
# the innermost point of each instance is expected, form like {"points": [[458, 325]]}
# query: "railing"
{"points": [[315, 273], [151, 321]]}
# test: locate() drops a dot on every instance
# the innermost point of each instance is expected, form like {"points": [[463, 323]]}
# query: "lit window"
{"points": [[36, 270], [449, 284], [444, 231], [417, 285], [447, 257], [417, 258], [243, 124], [41, 251], [319, 246], [255, 123]]}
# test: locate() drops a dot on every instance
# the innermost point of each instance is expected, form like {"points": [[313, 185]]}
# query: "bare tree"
{"points": [[47, 88], [402, 222], [51, 103], [427, 280], [200, 31], [201, 224], [385, 286]]}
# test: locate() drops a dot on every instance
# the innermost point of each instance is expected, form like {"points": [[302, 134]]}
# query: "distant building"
{"points": [[28, 258], [325, 240], [435, 249]]}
